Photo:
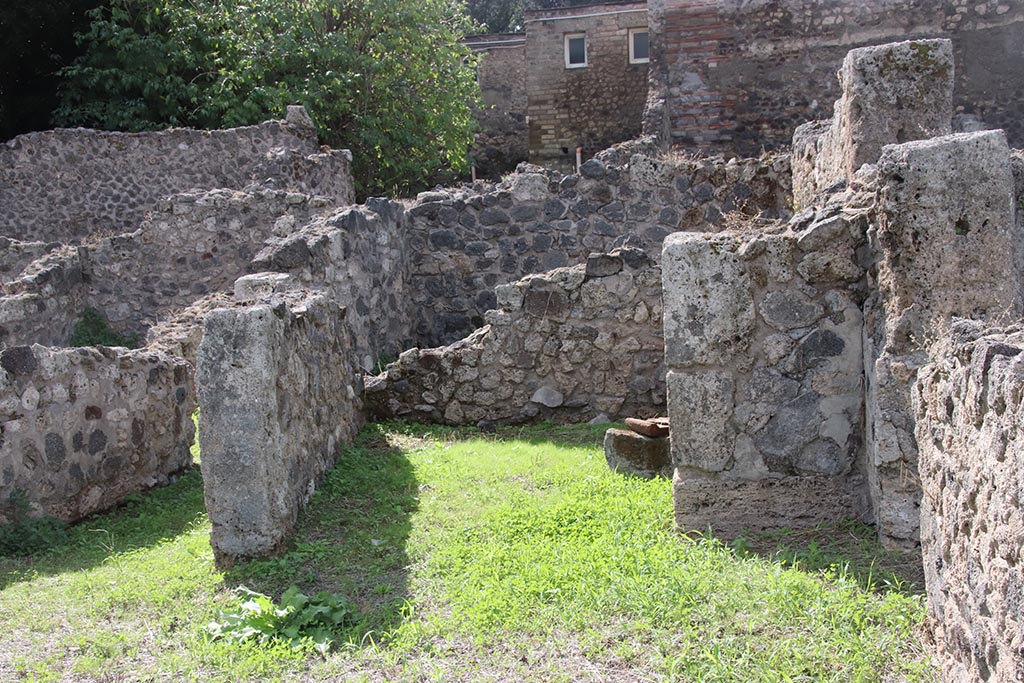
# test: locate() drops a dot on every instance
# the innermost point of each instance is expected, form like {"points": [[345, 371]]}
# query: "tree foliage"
{"points": [[501, 16], [385, 78]]}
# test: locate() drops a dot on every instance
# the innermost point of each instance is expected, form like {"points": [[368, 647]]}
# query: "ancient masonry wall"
{"points": [[191, 244], [740, 77], [16, 255], [502, 138], [464, 243], [945, 244], [279, 389], [570, 345], [81, 429], [765, 392], [64, 185], [359, 256], [969, 416], [594, 106], [891, 93], [44, 303]]}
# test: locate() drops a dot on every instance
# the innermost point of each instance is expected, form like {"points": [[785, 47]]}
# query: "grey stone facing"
{"points": [[569, 344], [64, 185], [71, 420], [968, 416], [279, 387]]}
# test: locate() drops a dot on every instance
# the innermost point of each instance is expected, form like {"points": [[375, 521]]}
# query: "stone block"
{"points": [[630, 453], [278, 384], [709, 304], [946, 237], [892, 93], [733, 507], [700, 406]]}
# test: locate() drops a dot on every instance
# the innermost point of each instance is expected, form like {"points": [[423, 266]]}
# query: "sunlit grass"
{"points": [[470, 556]]}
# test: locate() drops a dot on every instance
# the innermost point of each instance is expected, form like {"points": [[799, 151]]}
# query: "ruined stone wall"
{"points": [[16, 255], [945, 244], [502, 138], [738, 77], [81, 429], [594, 106], [279, 388], [892, 93], [568, 345], [465, 242], [360, 257], [969, 416], [44, 303], [765, 393], [64, 185], [191, 244]]}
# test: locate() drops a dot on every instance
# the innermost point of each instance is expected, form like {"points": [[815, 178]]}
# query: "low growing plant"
{"points": [[94, 330], [300, 621], [27, 535]]}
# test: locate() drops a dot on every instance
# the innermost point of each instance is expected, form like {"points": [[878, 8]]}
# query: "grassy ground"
{"points": [[513, 557]]}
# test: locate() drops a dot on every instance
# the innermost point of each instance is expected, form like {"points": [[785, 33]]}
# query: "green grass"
{"points": [[514, 556]]}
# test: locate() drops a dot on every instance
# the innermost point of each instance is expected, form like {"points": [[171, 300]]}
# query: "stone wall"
{"points": [[502, 138], [81, 429], [64, 185], [44, 303], [189, 245], [969, 415], [892, 93], [360, 257], [945, 244], [568, 345], [765, 392], [16, 255], [739, 77], [465, 242], [279, 388], [592, 107]]}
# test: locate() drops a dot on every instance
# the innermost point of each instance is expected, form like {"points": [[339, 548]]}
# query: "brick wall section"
{"points": [[502, 139], [81, 429], [739, 77], [592, 107]]}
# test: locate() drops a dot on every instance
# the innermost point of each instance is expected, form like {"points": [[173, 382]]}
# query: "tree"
{"points": [[39, 39], [385, 78]]}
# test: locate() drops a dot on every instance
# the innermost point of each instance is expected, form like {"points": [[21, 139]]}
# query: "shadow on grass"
{"points": [[141, 521], [351, 539], [849, 547]]}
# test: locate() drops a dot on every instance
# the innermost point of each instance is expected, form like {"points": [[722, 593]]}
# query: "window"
{"points": [[639, 48], [575, 50]]}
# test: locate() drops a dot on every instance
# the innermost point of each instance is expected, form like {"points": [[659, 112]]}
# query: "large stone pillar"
{"points": [[945, 245]]}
